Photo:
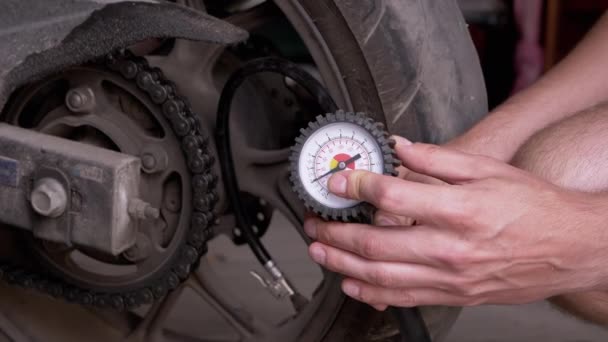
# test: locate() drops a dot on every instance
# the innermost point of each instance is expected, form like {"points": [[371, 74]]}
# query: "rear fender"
{"points": [[38, 38]]}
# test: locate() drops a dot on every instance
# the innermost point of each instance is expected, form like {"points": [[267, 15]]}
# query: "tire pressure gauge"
{"points": [[334, 143]]}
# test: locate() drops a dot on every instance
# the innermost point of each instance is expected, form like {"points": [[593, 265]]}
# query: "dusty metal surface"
{"points": [[98, 182], [38, 38], [136, 111]]}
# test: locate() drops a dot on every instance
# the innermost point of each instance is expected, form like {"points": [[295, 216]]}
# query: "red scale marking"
{"points": [[342, 157]]}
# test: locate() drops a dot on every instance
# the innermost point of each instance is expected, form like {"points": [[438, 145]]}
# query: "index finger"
{"points": [[417, 245], [451, 166], [394, 195]]}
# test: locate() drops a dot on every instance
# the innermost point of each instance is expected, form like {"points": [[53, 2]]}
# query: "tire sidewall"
{"points": [[412, 65]]}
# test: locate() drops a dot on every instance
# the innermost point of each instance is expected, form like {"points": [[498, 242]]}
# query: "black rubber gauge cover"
{"points": [[362, 211]]}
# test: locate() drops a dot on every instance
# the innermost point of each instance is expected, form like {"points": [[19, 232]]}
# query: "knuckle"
{"points": [[366, 295], [334, 233], [370, 246], [457, 217], [457, 258], [479, 164], [469, 288], [430, 156], [325, 233], [356, 184], [406, 298], [386, 195], [486, 164], [474, 301], [381, 276], [449, 257], [492, 166], [334, 262], [459, 208]]}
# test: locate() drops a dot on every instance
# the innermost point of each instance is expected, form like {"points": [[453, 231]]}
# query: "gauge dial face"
{"points": [[335, 148]]}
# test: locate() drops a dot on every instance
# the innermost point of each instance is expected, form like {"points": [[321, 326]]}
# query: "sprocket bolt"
{"points": [[154, 159], [80, 100], [148, 161]]}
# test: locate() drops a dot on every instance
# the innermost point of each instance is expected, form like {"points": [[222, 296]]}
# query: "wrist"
{"points": [[587, 238]]}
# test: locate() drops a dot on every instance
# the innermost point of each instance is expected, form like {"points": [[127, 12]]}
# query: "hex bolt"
{"points": [[141, 210], [80, 100], [154, 160], [148, 161], [49, 198]]}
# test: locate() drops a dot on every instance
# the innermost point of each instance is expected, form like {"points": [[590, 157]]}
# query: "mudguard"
{"points": [[38, 38]]}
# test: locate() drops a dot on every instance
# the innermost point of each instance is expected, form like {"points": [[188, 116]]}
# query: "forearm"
{"points": [[578, 82]]}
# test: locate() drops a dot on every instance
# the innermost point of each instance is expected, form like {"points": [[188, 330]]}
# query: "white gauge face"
{"points": [[334, 148]]}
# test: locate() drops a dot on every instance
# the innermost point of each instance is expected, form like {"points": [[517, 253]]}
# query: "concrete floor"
{"points": [[534, 322]]}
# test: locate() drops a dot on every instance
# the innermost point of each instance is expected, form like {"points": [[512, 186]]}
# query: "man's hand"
{"points": [[490, 234]]}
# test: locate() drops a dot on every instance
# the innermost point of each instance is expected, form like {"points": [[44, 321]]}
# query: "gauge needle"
{"points": [[341, 166]]}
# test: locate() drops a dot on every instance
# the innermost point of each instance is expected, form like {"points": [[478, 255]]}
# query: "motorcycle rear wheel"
{"points": [[411, 64]]}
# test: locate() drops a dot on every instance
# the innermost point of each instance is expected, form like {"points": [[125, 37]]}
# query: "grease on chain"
{"points": [[186, 126]]}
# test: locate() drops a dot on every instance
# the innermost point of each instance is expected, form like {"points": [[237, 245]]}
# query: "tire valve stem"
{"points": [[279, 286]]}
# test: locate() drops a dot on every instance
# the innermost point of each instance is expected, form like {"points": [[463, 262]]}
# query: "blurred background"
{"points": [[517, 41]]}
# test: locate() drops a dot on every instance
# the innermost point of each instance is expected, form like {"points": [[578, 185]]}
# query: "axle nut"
{"points": [[49, 198]]}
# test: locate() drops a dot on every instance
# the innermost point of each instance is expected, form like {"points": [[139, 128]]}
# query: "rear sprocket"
{"points": [[128, 77]]}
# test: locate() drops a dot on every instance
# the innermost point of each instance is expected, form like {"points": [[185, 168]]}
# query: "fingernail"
{"points": [[379, 307], [401, 140], [337, 184], [386, 221], [317, 254], [350, 289], [310, 227]]}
